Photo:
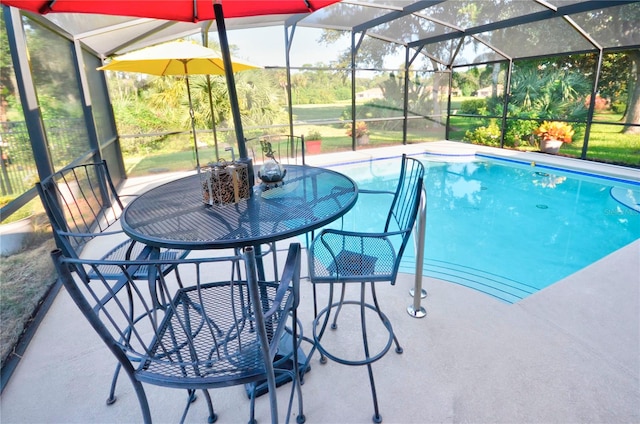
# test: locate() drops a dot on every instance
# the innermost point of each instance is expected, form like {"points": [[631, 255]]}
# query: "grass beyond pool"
{"points": [[505, 228]]}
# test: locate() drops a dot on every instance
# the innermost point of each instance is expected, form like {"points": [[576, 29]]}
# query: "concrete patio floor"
{"points": [[569, 353]]}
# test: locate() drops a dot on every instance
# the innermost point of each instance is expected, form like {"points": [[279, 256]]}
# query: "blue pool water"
{"points": [[505, 228]]}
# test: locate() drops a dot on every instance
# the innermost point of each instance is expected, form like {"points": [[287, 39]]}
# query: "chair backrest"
{"points": [[287, 149], [80, 200], [222, 328], [353, 256], [406, 201]]}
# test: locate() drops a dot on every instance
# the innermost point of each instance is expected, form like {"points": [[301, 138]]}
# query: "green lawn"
{"points": [[314, 112], [607, 143], [160, 162]]}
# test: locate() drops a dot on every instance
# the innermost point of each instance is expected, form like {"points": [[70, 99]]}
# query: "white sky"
{"points": [[266, 46]]}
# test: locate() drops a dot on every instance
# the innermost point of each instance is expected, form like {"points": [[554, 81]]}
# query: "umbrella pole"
{"points": [[193, 124], [213, 119], [231, 87]]}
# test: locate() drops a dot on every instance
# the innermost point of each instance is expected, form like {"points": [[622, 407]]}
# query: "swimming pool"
{"points": [[503, 227]]}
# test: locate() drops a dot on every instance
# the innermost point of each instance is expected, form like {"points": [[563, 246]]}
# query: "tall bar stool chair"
{"points": [[224, 327], [345, 257]]}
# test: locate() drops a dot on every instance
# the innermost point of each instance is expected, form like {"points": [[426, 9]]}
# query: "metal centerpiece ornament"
{"points": [[271, 172]]}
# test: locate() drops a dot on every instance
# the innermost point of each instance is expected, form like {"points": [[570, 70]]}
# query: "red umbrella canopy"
{"points": [[172, 10]]}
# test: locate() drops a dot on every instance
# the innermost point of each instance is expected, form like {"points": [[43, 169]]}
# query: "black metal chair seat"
{"points": [[358, 256], [230, 352], [345, 257]]}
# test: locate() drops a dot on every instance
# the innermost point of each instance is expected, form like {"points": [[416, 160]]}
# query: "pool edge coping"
{"points": [[455, 149]]}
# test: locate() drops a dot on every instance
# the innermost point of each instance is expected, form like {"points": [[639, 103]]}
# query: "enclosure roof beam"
{"points": [[525, 19]]}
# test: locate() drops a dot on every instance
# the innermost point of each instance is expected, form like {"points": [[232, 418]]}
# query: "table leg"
{"points": [[259, 263]]}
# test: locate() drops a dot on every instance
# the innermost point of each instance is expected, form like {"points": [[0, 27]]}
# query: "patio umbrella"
{"points": [[178, 58], [171, 10], [185, 11]]}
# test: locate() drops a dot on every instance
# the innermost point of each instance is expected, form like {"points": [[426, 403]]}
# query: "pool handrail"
{"points": [[415, 309]]}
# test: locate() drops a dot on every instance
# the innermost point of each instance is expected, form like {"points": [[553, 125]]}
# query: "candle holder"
{"points": [[224, 183]]}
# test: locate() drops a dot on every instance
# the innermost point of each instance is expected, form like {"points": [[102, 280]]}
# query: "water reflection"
{"points": [[505, 229], [542, 179], [461, 183]]}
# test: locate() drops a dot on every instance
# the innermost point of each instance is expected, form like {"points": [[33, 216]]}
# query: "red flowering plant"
{"points": [[554, 130]]}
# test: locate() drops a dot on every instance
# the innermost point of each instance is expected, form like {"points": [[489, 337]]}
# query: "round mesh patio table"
{"points": [[174, 214]]}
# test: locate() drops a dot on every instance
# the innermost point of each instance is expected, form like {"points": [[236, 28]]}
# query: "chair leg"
{"points": [[191, 397], [297, 379], [383, 318], [138, 389], [142, 400], [368, 359], [315, 302], [313, 343], [213, 417], [334, 325], [252, 405], [377, 418], [112, 392], [323, 358]]}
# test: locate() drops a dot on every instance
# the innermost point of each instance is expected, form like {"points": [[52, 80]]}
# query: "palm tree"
{"points": [[544, 91]]}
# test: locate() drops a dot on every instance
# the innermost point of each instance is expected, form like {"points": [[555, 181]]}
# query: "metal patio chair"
{"points": [[82, 205], [286, 150], [223, 328], [343, 257]]}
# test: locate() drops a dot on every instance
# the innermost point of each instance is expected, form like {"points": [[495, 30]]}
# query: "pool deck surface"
{"points": [[567, 354]]}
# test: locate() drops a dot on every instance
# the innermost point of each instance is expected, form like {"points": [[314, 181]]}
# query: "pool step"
{"points": [[629, 197], [502, 288]]}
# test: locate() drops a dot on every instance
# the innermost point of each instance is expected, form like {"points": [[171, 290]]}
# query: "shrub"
{"points": [[520, 132], [618, 107], [314, 135], [601, 105], [488, 136], [473, 107]]}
